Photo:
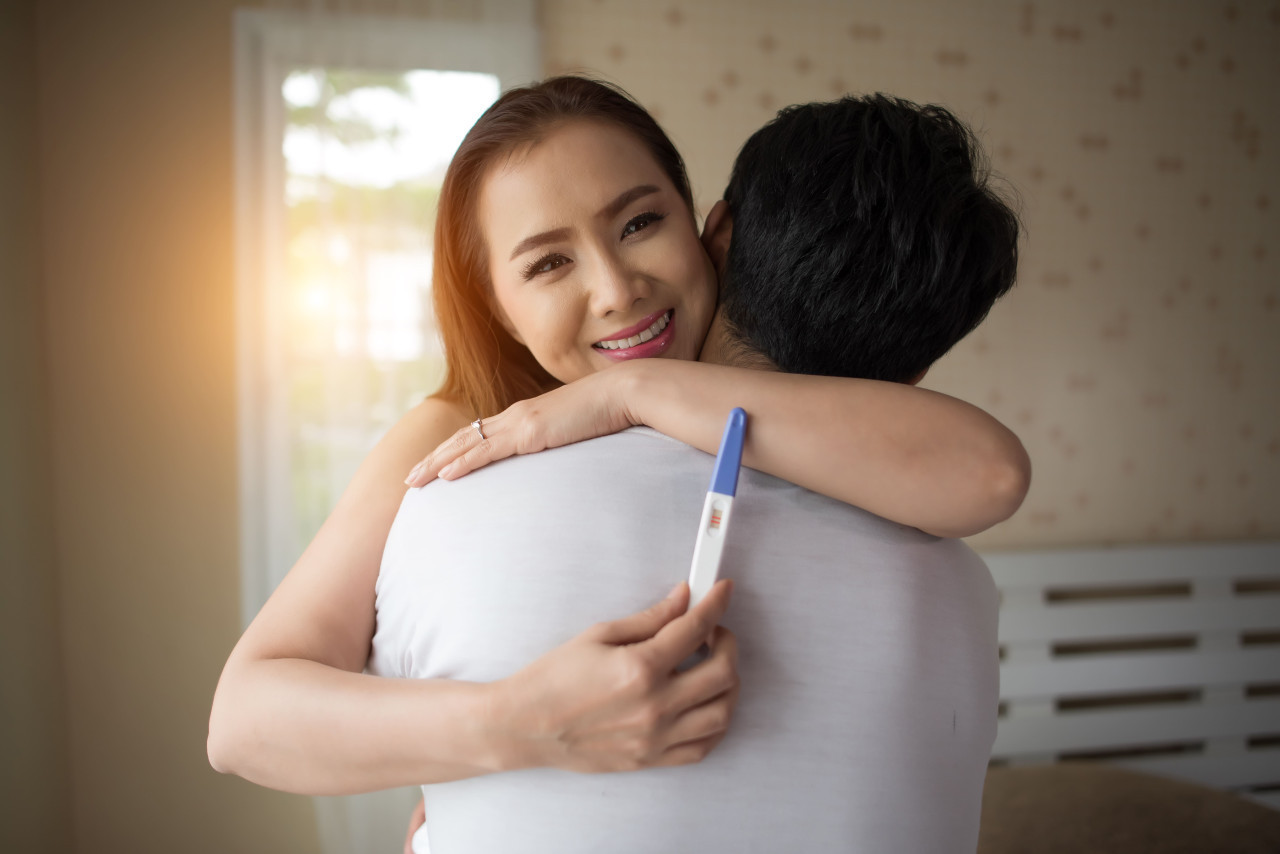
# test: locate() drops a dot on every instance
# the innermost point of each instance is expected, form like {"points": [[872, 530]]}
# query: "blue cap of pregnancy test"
{"points": [[724, 478]]}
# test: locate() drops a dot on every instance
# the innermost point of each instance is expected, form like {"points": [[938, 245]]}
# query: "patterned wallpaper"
{"points": [[1137, 356]]}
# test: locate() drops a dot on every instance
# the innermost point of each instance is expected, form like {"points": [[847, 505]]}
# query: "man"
{"points": [[856, 242]]}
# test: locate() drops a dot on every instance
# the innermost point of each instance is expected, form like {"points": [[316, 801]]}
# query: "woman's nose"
{"points": [[617, 287]]}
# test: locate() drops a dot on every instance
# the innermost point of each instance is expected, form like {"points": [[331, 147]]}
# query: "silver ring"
{"points": [[476, 424]]}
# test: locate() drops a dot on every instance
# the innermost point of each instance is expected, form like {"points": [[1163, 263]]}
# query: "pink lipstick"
{"points": [[650, 337]]}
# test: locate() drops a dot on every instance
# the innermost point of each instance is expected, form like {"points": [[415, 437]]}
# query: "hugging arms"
{"points": [[566, 221]]}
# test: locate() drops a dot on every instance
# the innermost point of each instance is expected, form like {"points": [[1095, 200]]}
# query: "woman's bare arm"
{"points": [[293, 711], [908, 454], [292, 703], [915, 456]]}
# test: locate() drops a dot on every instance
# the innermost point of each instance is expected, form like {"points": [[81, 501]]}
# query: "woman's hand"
{"points": [[612, 698], [595, 405]]}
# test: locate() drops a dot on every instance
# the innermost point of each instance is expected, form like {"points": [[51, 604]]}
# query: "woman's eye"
{"points": [[641, 222], [545, 264]]}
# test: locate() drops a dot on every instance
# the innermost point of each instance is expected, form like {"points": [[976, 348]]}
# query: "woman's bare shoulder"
{"points": [[443, 410], [410, 439], [431, 422]]}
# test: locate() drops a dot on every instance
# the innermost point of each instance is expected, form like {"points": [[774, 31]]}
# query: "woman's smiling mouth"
{"points": [[651, 337]]}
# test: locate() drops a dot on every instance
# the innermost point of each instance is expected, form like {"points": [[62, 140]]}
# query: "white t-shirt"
{"points": [[868, 655]]}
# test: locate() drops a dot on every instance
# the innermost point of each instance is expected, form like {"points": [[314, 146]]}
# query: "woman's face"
{"points": [[593, 255]]}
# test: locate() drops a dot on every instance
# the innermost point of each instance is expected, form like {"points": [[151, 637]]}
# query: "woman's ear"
{"points": [[717, 232]]}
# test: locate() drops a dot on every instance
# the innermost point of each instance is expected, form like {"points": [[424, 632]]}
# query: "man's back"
{"points": [[867, 654]]}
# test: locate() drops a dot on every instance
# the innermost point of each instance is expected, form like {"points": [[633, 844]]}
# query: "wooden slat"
{"points": [[1115, 620], [1126, 564], [1105, 674], [1121, 595], [1117, 728], [1229, 771]]}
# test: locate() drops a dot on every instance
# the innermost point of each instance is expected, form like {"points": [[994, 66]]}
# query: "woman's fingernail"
{"points": [[447, 471], [417, 470]]}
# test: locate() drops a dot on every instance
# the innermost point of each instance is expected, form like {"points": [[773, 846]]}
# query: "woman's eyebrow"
{"points": [[609, 211], [538, 240], [615, 207]]}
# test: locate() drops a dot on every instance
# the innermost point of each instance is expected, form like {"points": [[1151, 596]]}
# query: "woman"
{"points": [[566, 235]]}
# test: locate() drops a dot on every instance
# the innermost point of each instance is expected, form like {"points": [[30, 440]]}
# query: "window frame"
{"points": [[268, 44]]}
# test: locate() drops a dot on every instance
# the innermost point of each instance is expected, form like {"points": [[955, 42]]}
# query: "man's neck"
{"points": [[722, 347]]}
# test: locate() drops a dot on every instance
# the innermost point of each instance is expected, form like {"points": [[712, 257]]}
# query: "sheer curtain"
{"points": [[346, 115]]}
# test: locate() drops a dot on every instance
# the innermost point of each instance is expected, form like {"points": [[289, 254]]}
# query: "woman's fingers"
{"points": [[714, 677], [446, 452], [645, 624], [467, 450], [704, 725], [584, 409], [462, 452], [481, 453], [681, 637], [688, 753], [611, 698], [708, 724], [706, 697]]}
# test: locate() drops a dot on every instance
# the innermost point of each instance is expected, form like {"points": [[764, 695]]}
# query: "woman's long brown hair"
{"points": [[486, 369]]}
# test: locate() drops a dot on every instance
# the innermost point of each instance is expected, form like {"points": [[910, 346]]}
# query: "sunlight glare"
{"points": [[416, 134]]}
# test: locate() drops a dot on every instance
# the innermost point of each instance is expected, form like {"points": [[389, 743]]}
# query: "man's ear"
{"points": [[717, 232], [918, 377]]}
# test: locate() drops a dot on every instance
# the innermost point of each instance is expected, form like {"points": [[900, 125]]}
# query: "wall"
{"points": [[135, 112], [1136, 356], [35, 795]]}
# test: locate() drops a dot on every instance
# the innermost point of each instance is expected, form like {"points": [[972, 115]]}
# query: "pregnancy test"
{"points": [[717, 509]]}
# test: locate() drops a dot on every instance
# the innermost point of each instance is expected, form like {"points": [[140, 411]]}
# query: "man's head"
{"points": [[862, 239]]}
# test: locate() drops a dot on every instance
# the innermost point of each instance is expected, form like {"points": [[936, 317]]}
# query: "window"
{"points": [[364, 155], [344, 127]]}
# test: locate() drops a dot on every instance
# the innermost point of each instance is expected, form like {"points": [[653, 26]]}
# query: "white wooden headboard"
{"points": [[1162, 659]]}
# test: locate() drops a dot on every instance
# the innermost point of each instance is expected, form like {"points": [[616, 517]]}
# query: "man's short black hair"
{"points": [[866, 241]]}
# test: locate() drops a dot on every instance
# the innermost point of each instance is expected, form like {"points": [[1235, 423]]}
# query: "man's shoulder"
{"points": [[640, 454], [635, 444], [772, 504]]}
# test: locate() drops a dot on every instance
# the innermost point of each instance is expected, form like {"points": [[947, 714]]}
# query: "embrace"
{"points": [[499, 627]]}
